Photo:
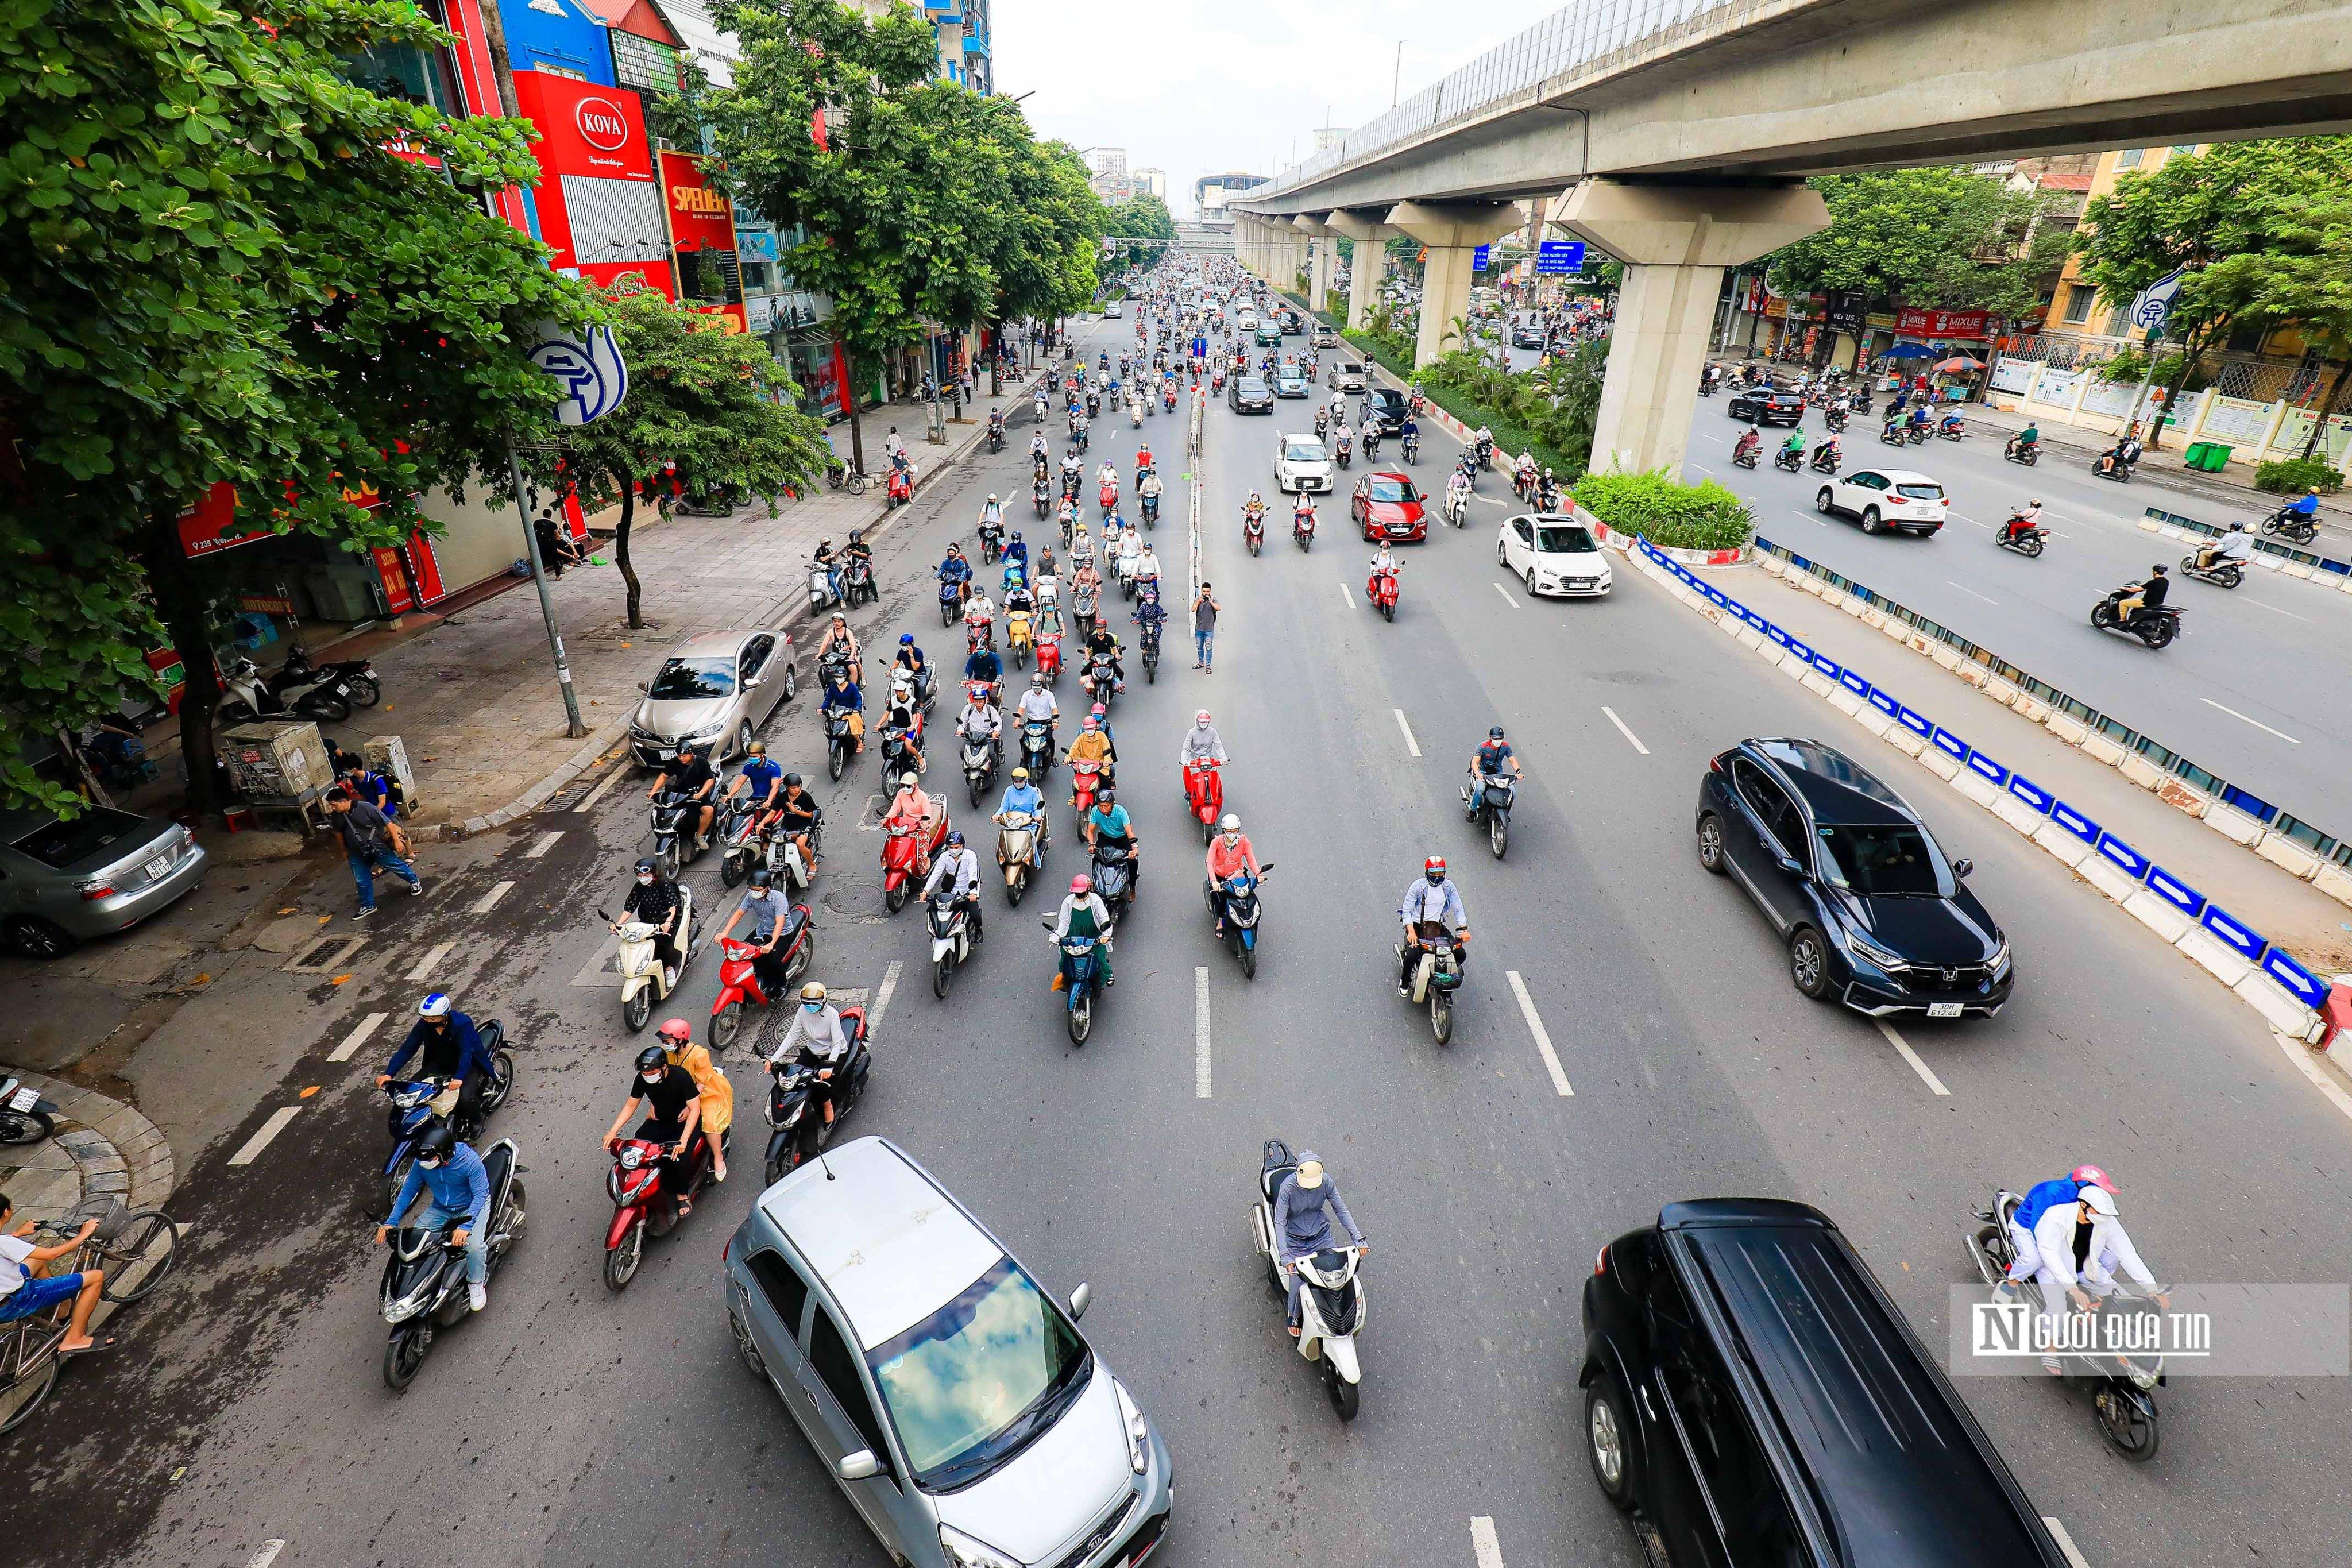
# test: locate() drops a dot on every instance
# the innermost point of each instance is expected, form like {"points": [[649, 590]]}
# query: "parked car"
{"points": [[1386, 405], [949, 1393], [716, 689], [1303, 465], [1290, 381], [1875, 915], [1555, 555], [1114, 311], [1765, 405], [1324, 337], [1387, 506], [1752, 1397], [1249, 395], [1349, 375], [1885, 498], [62, 883]]}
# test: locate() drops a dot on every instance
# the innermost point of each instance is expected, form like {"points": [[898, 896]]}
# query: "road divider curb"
{"points": [[2264, 976], [2282, 558]]}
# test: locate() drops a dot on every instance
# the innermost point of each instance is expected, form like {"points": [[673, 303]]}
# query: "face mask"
{"points": [[649, 1078], [428, 1164], [646, 881], [812, 1008]]}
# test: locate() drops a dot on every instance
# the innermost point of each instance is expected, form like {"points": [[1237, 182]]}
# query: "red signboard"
{"points": [[701, 216], [1911, 323], [211, 524], [394, 571], [585, 129]]}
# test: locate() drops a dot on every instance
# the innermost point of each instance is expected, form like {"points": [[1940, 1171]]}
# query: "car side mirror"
{"points": [[645, 687], [754, 684], [858, 1466], [1963, 866], [1079, 1299], [1789, 864]]}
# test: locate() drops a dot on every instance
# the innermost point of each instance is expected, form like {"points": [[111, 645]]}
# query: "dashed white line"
{"points": [[2065, 1541], [1483, 1544], [1630, 739], [1543, 1037], [267, 1555], [489, 900], [358, 1037], [1703, 469], [882, 999], [1348, 594], [1971, 592], [2273, 609], [1410, 743], [424, 965], [598, 792], [260, 1141], [1201, 1033], [1809, 517], [2257, 724], [1927, 1074], [546, 842], [1506, 596]]}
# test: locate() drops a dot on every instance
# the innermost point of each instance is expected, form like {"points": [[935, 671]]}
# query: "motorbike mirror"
{"points": [[605, 918], [860, 1465], [1079, 1298], [642, 686], [1963, 866]]}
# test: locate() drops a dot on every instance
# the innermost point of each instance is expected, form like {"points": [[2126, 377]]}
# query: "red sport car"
{"points": [[1386, 506]]}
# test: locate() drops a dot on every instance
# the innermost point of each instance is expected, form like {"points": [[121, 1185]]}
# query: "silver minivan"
{"points": [[957, 1404]]}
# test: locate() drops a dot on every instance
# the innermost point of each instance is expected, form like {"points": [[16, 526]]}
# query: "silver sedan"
{"points": [[715, 689]]}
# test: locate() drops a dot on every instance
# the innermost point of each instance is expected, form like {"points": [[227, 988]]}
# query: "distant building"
{"points": [[962, 29], [1149, 182], [1211, 193], [1329, 136]]}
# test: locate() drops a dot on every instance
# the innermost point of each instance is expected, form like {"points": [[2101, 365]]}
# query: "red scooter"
{"points": [[1381, 589], [900, 490], [739, 982], [1085, 778], [642, 1202], [1253, 530], [900, 858], [1109, 497], [1048, 649], [1204, 792]]}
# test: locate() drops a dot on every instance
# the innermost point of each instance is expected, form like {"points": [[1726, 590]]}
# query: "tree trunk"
{"points": [[70, 753], [2328, 408], [621, 553], [995, 359], [2190, 352], [180, 605]]}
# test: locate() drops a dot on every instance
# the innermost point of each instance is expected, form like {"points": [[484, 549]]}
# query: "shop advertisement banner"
{"points": [[1845, 311], [1941, 323], [586, 129], [701, 216], [210, 525]]}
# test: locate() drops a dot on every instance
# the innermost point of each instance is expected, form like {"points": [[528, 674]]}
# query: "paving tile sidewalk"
{"points": [[101, 1146]]}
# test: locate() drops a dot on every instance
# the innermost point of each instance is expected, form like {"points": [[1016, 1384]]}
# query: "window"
{"points": [[2184, 149], [757, 278], [783, 1286], [407, 72], [693, 680], [1565, 539], [1772, 806], [2129, 158], [1920, 490], [642, 63], [58, 845], [2247, 340], [1393, 491], [755, 654], [1883, 861], [836, 1368], [2078, 304]]}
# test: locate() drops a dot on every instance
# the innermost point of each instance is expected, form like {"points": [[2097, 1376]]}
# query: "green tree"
{"points": [[220, 274], [713, 402], [2239, 199], [1057, 223], [1143, 217], [1939, 238]]}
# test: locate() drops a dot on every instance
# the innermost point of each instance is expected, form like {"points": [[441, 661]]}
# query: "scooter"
{"points": [[1114, 873], [1835, 419], [1151, 510], [642, 1201], [739, 976], [1080, 981], [2123, 1388], [1243, 910], [1020, 852], [799, 1129], [1435, 977], [2014, 453], [1412, 448], [1049, 658], [25, 1116], [1253, 530], [951, 602], [676, 842], [418, 1104], [1824, 460], [644, 980], [979, 756], [953, 938], [1743, 456], [823, 586], [2119, 470], [2294, 528], [423, 1285], [2221, 574], [1302, 530], [899, 858], [1148, 645], [840, 744], [1491, 801], [1041, 496], [357, 674], [857, 582], [1331, 1299], [1381, 589], [1787, 461], [2027, 542], [2156, 628], [1086, 778], [1018, 636], [1950, 431], [247, 697]]}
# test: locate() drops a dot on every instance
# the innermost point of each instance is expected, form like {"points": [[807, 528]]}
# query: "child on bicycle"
{"points": [[23, 1290]]}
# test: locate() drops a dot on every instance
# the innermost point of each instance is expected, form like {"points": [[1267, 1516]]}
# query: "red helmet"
{"points": [[675, 1029], [1434, 867], [2091, 1176], [1082, 885]]}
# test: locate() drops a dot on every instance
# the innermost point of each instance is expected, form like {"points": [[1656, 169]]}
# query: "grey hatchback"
{"points": [[953, 1399]]}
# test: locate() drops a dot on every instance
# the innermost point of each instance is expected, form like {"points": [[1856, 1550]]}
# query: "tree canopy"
{"points": [[1938, 239], [1142, 217]]}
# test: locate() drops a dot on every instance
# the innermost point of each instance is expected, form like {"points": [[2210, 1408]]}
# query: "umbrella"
{"points": [[1910, 350], [1957, 363]]}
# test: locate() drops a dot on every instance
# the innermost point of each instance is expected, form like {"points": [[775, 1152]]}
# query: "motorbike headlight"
{"points": [[2143, 1379], [1874, 953], [1139, 1433], [963, 1551], [631, 1159]]}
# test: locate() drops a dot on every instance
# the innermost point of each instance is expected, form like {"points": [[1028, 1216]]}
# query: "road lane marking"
{"points": [[260, 1141], [1483, 1544], [1490, 501], [1543, 1037], [2065, 1541], [1506, 596], [1971, 592], [598, 792], [1809, 517], [2257, 724], [1632, 739], [1927, 1074], [358, 1037], [882, 999], [1410, 743], [1703, 469], [2273, 609], [425, 964], [546, 842], [1972, 522], [1347, 593], [1201, 1033], [489, 900], [268, 1554]]}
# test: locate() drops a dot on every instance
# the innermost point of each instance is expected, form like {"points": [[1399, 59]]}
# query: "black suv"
{"points": [[1874, 916], [1385, 404], [1763, 405], [1752, 1397]]}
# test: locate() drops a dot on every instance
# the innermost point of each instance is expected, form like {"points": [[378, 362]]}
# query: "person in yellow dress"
{"points": [[718, 1095]]}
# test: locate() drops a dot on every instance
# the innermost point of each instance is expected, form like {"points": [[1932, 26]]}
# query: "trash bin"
{"points": [[2195, 456], [2217, 457]]}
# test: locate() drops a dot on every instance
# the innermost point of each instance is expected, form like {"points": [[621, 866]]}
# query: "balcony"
{"points": [[976, 45]]}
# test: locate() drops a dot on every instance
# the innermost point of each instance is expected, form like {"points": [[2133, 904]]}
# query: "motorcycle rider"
{"points": [[980, 617], [1750, 443], [445, 1045], [2055, 1237], [1458, 486], [2024, 441], [1147, 568], [955, 571], [1409, 433], [1023, 796], [1826, 457], [2025, 1255], [839, 640], [1230, 854], [1017, 553], [957, 871], [816, 1038], [1038, 702], [1299, 1222], [1384, 564], [688, 773], [2022, 522], [767, 910], [911, 659], [1490, 756], [912, 808], [461, 1190], [672, 1104], [1083, 914], [2235, 546], [759, 781], [830, 561], [1302, 513], [982, 663], [796, 816], [991, 519], [1431, 900], [1548, 492], [2150, 595], [1040, 449], [842, 695], [1794, 446], [1150, 489], [2305, 508], [1151, 614], [979, 720], [656, 901], [2125, 451], [1951, 421], [1092, 746]]}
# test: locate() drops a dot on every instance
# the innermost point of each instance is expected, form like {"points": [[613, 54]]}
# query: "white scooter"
{"points": [[644, 981], [1331, 1306], [950, 928], [246, 695], [820, 587]]}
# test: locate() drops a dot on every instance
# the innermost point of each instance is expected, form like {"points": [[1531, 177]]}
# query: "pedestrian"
{"points": [[1205, 631], [374, 843]]}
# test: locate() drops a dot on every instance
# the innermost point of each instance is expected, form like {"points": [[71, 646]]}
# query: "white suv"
{"points": [[1303, 465], [1885, 498]]}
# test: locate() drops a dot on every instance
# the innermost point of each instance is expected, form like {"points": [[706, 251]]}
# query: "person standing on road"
{"points": [[1204, 630], [374, 843]]}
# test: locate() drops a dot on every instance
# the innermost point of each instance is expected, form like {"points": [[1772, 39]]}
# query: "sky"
{"points": [[1207, 86]]}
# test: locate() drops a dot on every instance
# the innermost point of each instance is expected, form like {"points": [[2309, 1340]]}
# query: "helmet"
{"points": [[1092, 723], [759, 749], [762, 879], [1494, 732], [645, 867], [1106, 797], [1021, 776], [1231, 823], [910, 779], [1098, 709], [2035, 501], [856, 535], [1082, 884], [437, 1141], [955, 836], [792, 781], [813, 991], [2237, 527], [2091, 1175], [992, 495], [1016, 535], [1201, 717], [437, 1005], [1433, 867], [653, 1059], [906, 639], [2100, 1202], [1037, 679], [675, 1029]]}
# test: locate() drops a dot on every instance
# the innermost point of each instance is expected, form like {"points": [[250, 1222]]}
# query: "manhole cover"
{"points": [[856, 900], [324, 954]]}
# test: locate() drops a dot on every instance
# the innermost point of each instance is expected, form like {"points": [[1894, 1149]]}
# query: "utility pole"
{"points": [[574, 728], [1396, 75]]}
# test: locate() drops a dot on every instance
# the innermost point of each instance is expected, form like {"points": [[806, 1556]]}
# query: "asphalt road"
{"points": [[568, 1426]]}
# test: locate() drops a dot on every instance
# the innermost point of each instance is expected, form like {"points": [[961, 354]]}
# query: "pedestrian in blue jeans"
{"points": [[1204, 630], [369, 838]]}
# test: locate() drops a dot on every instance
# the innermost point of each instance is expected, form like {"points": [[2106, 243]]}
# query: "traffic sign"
{"points": [[1556, 257], [587, 368], [1478, 258]]}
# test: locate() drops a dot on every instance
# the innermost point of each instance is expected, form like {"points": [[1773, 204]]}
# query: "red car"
{"points": [[1387, 506]]}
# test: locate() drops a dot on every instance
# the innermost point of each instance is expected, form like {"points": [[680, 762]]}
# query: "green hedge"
{"points": [[2296, 475], [1703, 516]]}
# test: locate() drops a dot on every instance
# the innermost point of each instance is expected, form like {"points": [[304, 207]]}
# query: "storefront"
{"points": [[599, 208], [703, 247]]}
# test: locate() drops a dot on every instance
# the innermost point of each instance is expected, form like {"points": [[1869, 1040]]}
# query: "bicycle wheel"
{"points": [[136, 1246], [16, 1405]]}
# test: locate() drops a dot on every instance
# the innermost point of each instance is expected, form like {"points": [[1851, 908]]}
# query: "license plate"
{"points": [[1943, 1009], [23, 1100], [158, 866]]}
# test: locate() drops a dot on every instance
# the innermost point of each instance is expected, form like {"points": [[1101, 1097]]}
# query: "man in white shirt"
{"points": [[957, 873], [2053, 1239], [23, 1292]]}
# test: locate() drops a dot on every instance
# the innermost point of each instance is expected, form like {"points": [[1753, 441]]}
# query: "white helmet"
{"points": [[911, 778], [2099, 1201], [1231, 823]]}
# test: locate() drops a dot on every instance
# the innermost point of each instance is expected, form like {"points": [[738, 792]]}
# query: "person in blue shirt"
{"points": [[1023, 796], [1016, 559], [910, 658], [461, 1191], [842, 695], [956, 571], [759, 780], [1108, 820], [445, 1044], [2040, 1199], [2305, 505], [984, 665]]}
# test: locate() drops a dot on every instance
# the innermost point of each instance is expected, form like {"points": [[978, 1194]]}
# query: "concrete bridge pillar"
{"points": [[1319, 267], [1452, 232], [1676, 242], [1370, 240], [1245, 241]]}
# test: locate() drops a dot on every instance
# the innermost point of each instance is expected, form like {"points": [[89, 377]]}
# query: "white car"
{"points": [[1303, 465], [1114, 311], [1886, 497], [1553, 555]]}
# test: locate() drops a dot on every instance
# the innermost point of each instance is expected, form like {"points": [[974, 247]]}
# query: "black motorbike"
{"points": [[1041, 496], [2156, 626], [2025, 541], [1835, 419], [840, 745], [676, 816], [1113, 872], [2029, 455], [358, 676], [1824, 460], [857, 582], [1491, 802], [2108, 467], [1037, 748], [1788, 461], [424, 1284], [798, 1129], [2292, 526]]}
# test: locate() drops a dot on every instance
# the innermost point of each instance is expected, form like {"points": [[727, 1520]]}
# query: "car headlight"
{"points": [[1885, 957], [1139, 1433], [963, 1551], [708, 733], [1999, 964]]}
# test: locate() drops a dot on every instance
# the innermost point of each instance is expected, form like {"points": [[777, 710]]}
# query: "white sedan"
{"points": [[1553, 555], [1885, 498], [1303, 465]]}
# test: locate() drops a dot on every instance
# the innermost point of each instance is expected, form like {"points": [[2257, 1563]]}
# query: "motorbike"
{"points": [[979, 757], [246, 696], [951, 595], [1485, 449], [898, 743], [857, 582], [419, 1103], [992, 543], [1951, 431], [1204, 793], [1524, 482], [1435, 977], [1344, 452], [1824, 460], [1492, 801], [1243, 910], [1746, 457], [1079, 980], [995, 436], [840, 745], [1787, 461], [1101, 683], [1020, 852], [1254, 529], [1168, 396], [1041, 497], [798, 1129], [2221, 575], [823, 586], [423, 1285], [1018, 636], [1036, 748], [1149, 645], [1331, 1299], [951, 941], [1706, 387], [358, 676], [2027, 542], [899, 489], [739, 977], [644, 980], [676, 842], [1049, 657], [1151, 510], [2123, 1387], [2014, 453], [1122, 567], [642, 1201], [2294, 528], [1114, 873], [1302, 529], [1381, 589], [2120, 471], [25, 1116], [1835, 419], [1412, 448], [748, 848], [899, 858], [1086, 774], [1108, 497], [2156, 628]]}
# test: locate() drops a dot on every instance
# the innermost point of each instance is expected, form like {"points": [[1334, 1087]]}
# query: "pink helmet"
{"points": [[1082, 885], [2091, 1176]]}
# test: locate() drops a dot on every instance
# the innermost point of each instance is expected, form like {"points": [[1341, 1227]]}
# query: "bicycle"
{"points": [[123, 1240]]}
